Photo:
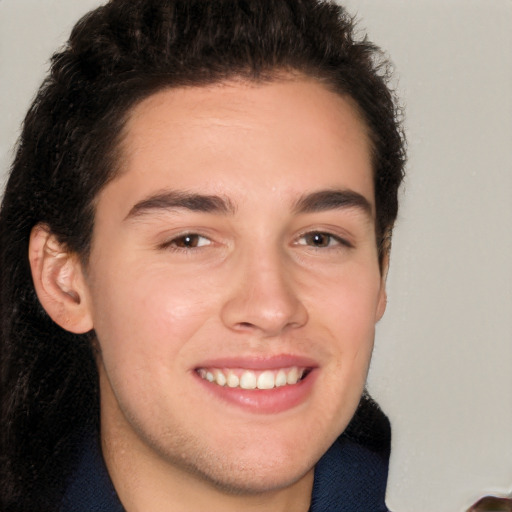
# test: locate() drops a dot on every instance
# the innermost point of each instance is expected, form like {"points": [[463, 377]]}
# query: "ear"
{"points": [[383, 296], [59, 281]]}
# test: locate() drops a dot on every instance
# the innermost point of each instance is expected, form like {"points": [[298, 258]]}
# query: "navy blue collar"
{"points": [[90, 487], [348, 478]]}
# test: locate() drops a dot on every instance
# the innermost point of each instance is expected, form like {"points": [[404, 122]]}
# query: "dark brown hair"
{"points": [[116, 56]]}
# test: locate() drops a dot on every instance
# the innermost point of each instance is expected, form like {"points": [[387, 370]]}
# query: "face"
{"points": [[234, 282]]}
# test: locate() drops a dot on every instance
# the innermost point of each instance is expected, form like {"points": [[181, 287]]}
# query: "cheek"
{"points": [[348, 302], [150, 316], [346, 311]]}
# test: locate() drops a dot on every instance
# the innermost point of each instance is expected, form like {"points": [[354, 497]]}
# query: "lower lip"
{"points": [[264, 401]]}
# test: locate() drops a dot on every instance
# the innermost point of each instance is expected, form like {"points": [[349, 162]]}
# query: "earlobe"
{"points": [[383, 300], [59, 281], [383, 296]]}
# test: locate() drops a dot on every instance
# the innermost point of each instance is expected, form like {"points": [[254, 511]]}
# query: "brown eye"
{"points": [[323, 240], [318, 239], [190, 241]]}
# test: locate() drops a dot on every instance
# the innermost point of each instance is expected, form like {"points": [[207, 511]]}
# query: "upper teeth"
{"points": [[249, 379]]}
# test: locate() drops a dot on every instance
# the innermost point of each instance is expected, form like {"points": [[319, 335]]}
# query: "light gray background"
{"points": [[443, 359]]}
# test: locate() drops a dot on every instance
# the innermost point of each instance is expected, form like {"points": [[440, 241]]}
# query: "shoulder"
{"points": [[90, 487], [352, 475]]}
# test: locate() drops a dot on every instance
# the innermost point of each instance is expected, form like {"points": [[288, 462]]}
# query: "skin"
{"points": [[253, 283]]}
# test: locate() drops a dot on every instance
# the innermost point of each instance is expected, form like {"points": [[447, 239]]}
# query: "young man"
{"points": [[194, 243]]}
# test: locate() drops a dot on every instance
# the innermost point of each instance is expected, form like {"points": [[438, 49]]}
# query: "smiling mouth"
{"points": [[251, 379]]}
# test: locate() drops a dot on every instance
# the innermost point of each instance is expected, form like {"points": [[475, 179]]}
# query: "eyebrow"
{"points": [[325, 200], [179, 200], [320, 201]]}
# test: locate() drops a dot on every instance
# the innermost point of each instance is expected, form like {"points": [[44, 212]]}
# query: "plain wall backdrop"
{"points": [[442, 368]]}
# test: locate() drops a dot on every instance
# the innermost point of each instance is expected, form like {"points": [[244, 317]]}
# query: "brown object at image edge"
{"points": [[492, 504]]}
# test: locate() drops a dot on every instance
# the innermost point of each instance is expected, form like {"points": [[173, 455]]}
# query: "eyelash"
{"points": [[193, 241], [331, 238], [174, 244]]}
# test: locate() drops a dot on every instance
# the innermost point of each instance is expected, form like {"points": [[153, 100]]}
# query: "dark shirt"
{"points": [[350, 477]]}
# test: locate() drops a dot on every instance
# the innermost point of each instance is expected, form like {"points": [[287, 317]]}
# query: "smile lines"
{"points": [[249, 379]]}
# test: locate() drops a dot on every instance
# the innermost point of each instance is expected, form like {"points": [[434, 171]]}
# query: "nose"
{"points": [[264, 298]]}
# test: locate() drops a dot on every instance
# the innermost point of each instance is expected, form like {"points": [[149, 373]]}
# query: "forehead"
{"points": [[245, 139]]}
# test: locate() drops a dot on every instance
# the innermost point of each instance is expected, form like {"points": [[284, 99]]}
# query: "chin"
{"points": [[256, 481], [261, 468]]}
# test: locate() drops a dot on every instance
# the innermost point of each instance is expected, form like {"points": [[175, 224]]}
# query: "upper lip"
{"points": [[258, 362]]}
